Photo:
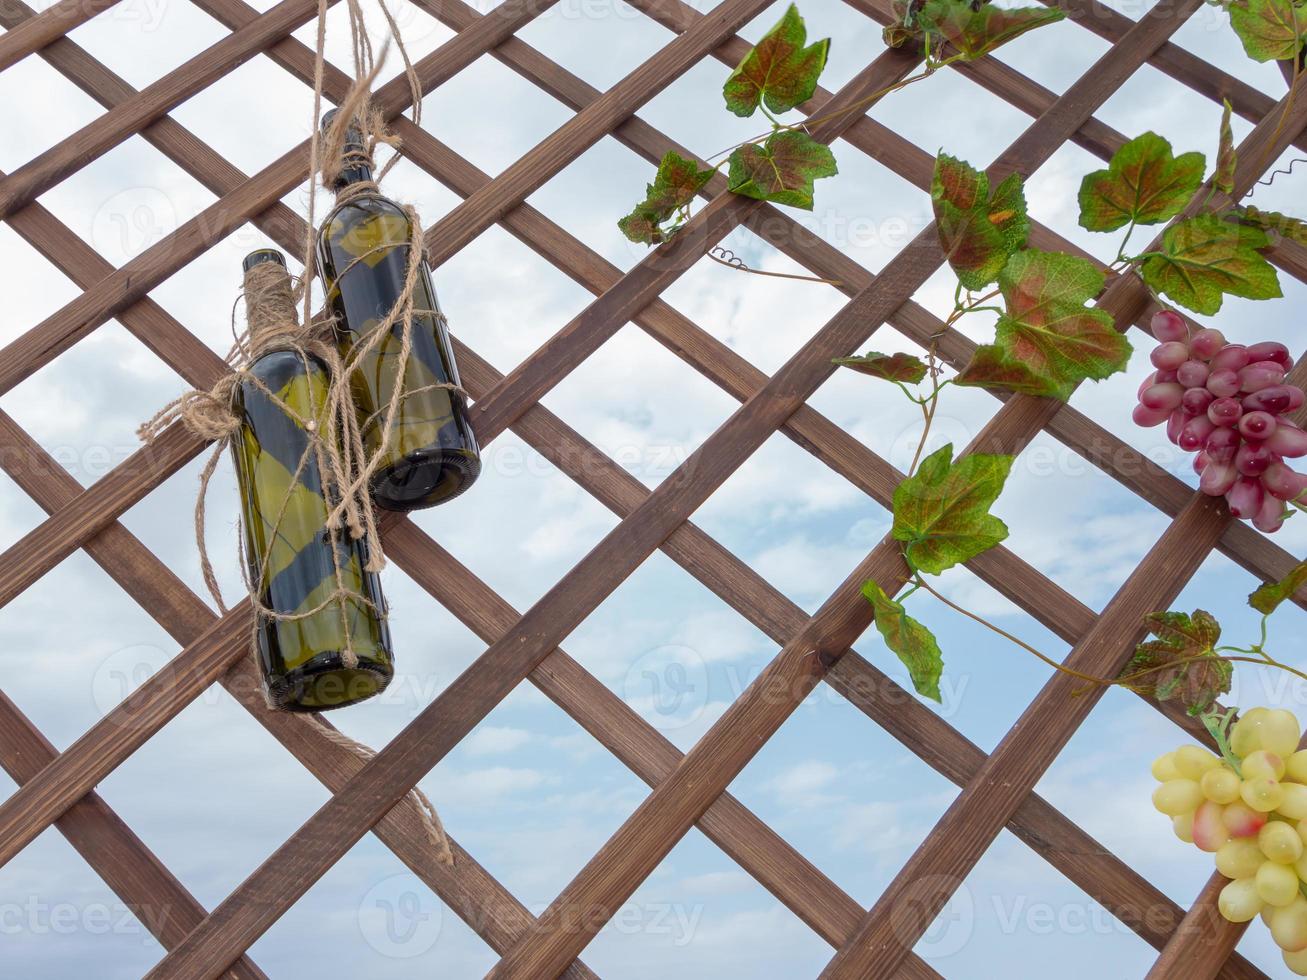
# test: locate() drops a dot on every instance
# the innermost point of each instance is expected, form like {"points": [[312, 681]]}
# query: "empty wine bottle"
{"points": [[285, 503], [363, 254]]}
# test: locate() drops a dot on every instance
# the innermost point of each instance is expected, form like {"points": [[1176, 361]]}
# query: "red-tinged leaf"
{"points": [[1226, 157], [1268, 598], [677, 182], [1048, 340], [1284, 225], [978, 231], [782, 169], [1144, 183], [976, 31], [1182, 662], [1271, 30], [1204, 258], [914, 644], [779, 71], [892, 367], [941, 512]]}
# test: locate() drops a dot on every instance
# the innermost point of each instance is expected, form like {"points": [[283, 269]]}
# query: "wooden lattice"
{"points": [[687, 789]]}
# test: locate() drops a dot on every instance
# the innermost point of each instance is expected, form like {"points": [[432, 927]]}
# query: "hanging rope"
{"points": [[335, 443]]}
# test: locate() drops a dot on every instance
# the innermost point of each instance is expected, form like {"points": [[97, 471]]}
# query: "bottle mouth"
{"points": [[261, 255]]}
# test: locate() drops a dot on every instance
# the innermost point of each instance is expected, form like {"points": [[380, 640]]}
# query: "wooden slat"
{"points": [[52, 23], [158, 900]]}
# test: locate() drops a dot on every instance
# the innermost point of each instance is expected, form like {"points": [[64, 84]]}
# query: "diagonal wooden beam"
{"points": [[51, 24]]}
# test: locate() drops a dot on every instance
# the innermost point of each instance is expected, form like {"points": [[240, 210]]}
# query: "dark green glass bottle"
{"points": [[363, 254], [284, 510]]}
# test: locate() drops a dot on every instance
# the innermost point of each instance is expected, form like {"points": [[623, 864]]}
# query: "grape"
{"points": [[1200, 462], [1270, 516], [1176, 423], [1239, 858], [1242, 820], [1271, 350], [1276, 399], [1223, 383], [1169, 356], [1222, 443], [1260, 794], [1289, 926], [1183, 825], [1261, 375], [1193, 762], [1231, 357], [1258, 765], [1252, 459], [1148, 417], [1295, 766], [1224, 411], [1209, 831], [1296, 962], [1167, 325], [1217, 479], [1278, 732], [1221, 785], [1277, 884], [1164, 767], [1246, 736], [1177, 796], [1205, 343], [1245, 497], [1240, 901], [1165, 396], [1279, 842], [1192, 374], [1294, 804], [1257, 425], [1195, 432], [1195, 400], [1283, 482], [1286, 439]]}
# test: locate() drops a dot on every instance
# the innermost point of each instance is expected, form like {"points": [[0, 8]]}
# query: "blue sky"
{"points": [[529, 793]]}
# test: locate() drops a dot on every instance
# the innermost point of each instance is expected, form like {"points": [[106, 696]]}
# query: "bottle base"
{"points": [[322, 688], [425, 478]]}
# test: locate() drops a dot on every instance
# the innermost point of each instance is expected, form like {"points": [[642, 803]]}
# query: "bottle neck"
{"points": [[354, 172]]}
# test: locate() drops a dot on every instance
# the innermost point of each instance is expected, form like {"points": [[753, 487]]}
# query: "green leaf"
{"points": [[978, 231], [674, 187], [1284, 225], [779, 71], [1271, 30], [892, 367], [1183, 662], [1204, 257], [1048, 340], [941, 512], [976, 31], [1269, 596], [782, 169], [1144, 183], [1226, 157], [914, 644]]}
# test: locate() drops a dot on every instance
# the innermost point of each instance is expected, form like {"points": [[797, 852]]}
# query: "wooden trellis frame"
{"points": [[687, 789]]}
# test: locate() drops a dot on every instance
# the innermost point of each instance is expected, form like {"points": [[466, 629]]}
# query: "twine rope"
{"points": [[335, 440]]}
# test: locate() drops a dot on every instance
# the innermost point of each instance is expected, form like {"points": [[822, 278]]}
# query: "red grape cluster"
{"points": [[1227, 403]]}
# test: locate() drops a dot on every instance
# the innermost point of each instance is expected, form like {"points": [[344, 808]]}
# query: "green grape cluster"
{"points": [[1250, 812]]}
